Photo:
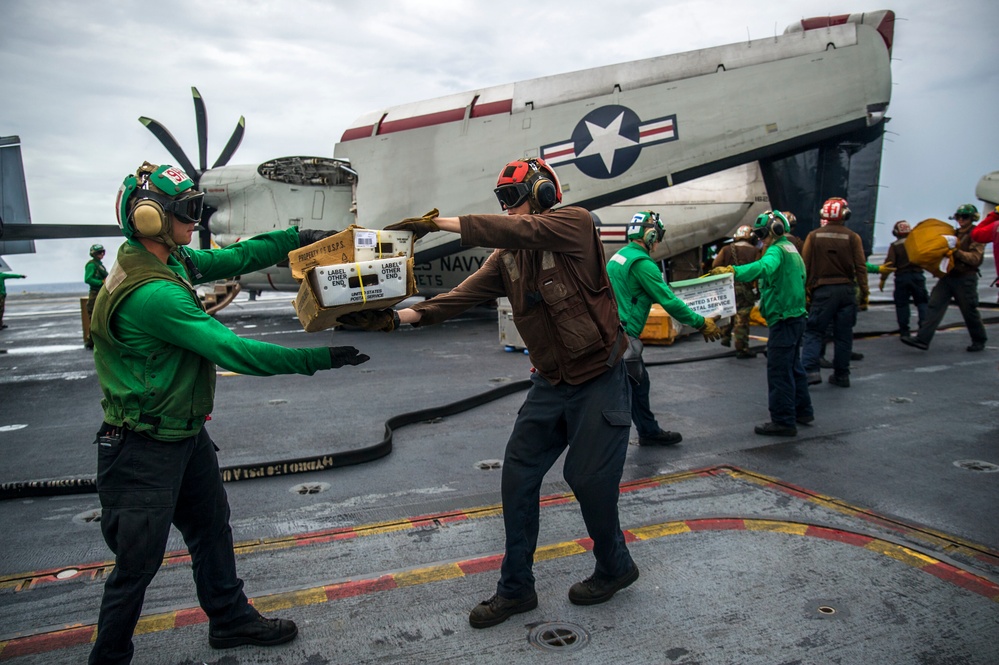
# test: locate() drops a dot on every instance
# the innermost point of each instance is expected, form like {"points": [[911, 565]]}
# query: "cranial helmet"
{"points": [[528, 180], [771, 222], [147, 199], [901, 229], [966, 210], [96, 249], [744, 232], [647, 227], [835, 209]]}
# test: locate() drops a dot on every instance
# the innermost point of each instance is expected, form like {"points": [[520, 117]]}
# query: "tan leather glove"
{"points": [[420, 226], [721, 270], [711, 332]]}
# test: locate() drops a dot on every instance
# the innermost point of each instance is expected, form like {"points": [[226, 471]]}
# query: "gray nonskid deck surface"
{"points": [[887, 458]]}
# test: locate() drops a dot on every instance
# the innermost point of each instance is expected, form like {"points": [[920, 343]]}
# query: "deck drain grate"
{"points": [[976, 465], [557, 636], [827, 609], [489, 464]]}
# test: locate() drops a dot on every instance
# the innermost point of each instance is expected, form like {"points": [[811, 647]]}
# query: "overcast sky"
{"points": [[75, 77]]}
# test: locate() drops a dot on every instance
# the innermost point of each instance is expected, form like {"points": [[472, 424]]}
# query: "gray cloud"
{"points": [[76, 76]]}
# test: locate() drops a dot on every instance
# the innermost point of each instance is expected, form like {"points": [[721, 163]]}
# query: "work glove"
{"points": [[864, 302], [346, 355], [385, 320], [420, 226], [886, 269], [721, 270], [309, 236], [710, 330], [881, 284]]}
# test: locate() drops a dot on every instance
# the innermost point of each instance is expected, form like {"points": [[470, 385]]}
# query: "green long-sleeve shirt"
{"points": [[94, 274], [637, 283], [4, 276], [156, 348], [780, 273]]}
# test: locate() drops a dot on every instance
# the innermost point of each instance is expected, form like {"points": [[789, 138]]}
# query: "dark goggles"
{"points": [[511, 196], [187, 209]]}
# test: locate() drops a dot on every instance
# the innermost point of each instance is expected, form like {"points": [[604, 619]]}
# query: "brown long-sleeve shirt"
{"points": [[835, 255], [552, 268]]}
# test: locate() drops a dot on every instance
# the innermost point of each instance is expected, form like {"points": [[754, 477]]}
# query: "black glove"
{"points": [[420, 226], [309, 236], [346, 355], [385, 320]]}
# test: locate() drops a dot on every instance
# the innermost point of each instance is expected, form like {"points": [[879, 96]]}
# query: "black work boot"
{"points": [[498, 609], [662, 438], [594, 589], [841, 380], [775, 429], [260, 632]]}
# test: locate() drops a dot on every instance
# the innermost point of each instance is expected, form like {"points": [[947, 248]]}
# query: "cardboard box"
{"points": [[350, 245], [660, 327], [359, 282], [314, 316], [707, 296]]}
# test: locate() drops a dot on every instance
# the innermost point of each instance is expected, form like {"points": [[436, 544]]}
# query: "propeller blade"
{"points": [[201, 115], [233, 144], [170, 143]]}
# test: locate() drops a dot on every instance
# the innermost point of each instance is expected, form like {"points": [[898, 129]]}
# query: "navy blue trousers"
{"points": [[592, 421], [787, 383], [146, 485], [835, 305], [641, 408], [963, 289], [910, 285]]}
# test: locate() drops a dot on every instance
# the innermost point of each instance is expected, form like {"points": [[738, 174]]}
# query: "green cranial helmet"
{"points": [[771, 222], [966, 210], [647, 227], [96, 249], [169, 188]]}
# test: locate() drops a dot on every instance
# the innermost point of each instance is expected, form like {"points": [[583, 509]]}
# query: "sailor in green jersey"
{"points": [[4, 276], [93, 274], [155, 352], [780, 274], [638, 282]]}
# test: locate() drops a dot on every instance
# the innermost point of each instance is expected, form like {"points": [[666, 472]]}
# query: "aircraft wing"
{"points": [[16, 229], [621, 131], [18, 232]]}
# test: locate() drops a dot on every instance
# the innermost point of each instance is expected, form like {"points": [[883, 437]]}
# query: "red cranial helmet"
{"points": [[835, 209], [528, 180]]}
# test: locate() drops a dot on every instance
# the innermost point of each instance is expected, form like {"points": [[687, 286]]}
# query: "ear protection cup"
{"points": [[779, 224], [148, 219], [651, 236], [544, 193]]}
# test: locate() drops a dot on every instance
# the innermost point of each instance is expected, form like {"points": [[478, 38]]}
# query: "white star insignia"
{"points": [[606, 141]]}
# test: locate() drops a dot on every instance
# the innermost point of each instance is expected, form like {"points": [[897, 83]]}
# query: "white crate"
{"points": [[360, 282], [509, 336]]}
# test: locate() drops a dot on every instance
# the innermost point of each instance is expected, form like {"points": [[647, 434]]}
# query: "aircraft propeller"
{"points": [[173, 147]]}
